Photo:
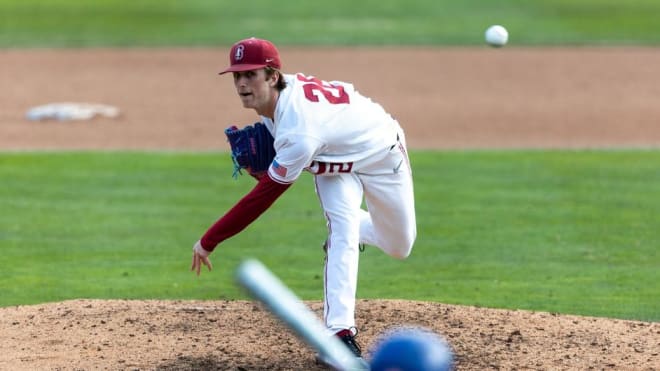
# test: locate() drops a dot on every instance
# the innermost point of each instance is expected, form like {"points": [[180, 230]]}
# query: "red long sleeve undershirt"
{"points": [[249, 208]]}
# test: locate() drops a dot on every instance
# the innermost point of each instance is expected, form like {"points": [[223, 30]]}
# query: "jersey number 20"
{"points": [[334, 94]]}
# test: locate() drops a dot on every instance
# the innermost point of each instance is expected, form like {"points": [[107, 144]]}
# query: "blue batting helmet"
{"points": [[409, 349]]}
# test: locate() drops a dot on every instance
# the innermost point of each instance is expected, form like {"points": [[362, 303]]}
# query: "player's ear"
{"points": [[273, 77]]}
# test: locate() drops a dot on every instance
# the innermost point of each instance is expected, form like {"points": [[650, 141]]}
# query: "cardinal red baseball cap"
{"points": [[252, 54]]}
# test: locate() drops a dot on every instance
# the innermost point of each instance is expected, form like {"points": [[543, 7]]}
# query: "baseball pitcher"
{"points": [[356, 152]]}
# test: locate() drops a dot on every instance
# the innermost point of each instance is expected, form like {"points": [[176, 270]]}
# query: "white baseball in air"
{"points": [[497, 35]]}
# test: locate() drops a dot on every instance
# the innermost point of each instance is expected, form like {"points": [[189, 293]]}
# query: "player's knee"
{"points": [[398, 254], [402, 248]]}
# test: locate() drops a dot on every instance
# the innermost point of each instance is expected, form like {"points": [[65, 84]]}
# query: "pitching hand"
{"points": [[200, 256]]}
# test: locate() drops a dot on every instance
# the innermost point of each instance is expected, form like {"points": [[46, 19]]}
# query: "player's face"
{"points": [[255, 90]]}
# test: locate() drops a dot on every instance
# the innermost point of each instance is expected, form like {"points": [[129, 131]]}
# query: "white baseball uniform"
{"points": [[356, 151]]}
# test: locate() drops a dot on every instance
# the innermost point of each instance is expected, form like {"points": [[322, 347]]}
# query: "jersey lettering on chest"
{"points": [[321, 168]]}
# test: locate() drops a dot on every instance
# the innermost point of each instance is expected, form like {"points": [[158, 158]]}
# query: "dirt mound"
{"points": [[243, 335]]}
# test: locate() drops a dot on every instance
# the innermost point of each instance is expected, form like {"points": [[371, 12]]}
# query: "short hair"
{"points": [[281, 83]]}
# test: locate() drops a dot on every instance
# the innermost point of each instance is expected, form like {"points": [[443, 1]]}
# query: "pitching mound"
{"points": [[241, 335]]}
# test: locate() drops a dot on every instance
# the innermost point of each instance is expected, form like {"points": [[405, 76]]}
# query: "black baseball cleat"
{"points": [[347, 337]]}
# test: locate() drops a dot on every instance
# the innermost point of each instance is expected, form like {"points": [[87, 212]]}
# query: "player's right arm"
{"points": [[247, 210], [292, 156], [294, 153]]}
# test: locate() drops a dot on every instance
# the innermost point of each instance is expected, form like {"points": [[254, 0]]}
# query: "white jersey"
{"points": [[323, 126]]}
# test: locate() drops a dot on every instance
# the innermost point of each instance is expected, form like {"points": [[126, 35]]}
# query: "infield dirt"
{"points": [[448, 98]]}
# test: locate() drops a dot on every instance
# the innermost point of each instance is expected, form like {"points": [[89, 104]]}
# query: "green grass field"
{"points": [[46, 23], [562, 231]]}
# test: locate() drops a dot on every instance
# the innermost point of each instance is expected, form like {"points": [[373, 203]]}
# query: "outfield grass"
{"points": [[81, 23], [562, 231]]}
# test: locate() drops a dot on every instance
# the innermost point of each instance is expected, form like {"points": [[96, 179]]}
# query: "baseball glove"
{"points": [[251, 149]]}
